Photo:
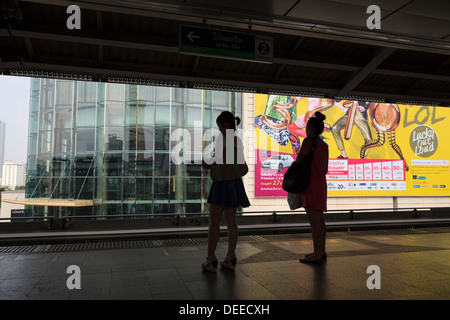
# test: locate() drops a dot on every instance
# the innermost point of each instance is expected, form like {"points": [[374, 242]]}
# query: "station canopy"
{"points": [[309, 47]]}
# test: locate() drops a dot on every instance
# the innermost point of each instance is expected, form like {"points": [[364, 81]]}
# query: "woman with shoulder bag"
{"points": [[314, 198]]}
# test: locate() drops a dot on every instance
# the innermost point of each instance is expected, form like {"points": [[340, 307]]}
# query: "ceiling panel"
{"points": [[319, 46]]}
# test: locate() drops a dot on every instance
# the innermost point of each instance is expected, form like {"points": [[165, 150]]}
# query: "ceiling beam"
{"points": [[360, 75], [98, 41], [408, 74], [274, 24]]}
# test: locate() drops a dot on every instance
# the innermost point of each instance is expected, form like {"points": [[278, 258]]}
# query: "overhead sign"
{"points": [[225, 44]]}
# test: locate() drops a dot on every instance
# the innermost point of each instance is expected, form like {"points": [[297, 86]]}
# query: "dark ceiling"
{"points": [[320, 47]]}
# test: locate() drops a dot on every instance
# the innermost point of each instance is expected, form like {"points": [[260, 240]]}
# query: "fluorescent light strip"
{"points": [[53, 75], [359, 98], [417, 102], [166, 83], [207, 86], [297, 93]]}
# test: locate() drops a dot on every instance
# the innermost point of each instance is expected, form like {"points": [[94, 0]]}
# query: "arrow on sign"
{"points": [[191, 36]]}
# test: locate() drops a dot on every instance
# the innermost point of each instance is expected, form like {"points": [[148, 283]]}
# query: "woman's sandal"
{"points": [[317, 261], [210, 266], [229, 263], [324, 256]]}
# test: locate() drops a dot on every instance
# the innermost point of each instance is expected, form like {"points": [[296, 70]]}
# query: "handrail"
{"points": [[414, 210]]}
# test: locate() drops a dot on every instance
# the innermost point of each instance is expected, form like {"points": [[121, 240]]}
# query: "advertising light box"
{"points": [[375, 149]]}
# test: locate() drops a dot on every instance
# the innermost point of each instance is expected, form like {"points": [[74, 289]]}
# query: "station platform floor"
{"points": [[413, 264]]}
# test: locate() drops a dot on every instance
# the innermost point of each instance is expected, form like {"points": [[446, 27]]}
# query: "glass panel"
{"points": [[146, 114], [177, 187], [87, 92], [112, 164], [162, 138], [161, 164], [161, 189], [162, 94], [193, 143], [43, 188], [194, 96], [193, 188], [85, 140], [208, 121], [63, 141], [84, 188], [112, 189], [194, 116], [33, 122], [115, 92], [130, 115], [83, 167], [113, 138], [129, 164], [112, 209], [193, 208], [162, 117], [220, 99], [146, 93], [86, 116], [177, 170], [162, 208], [207, 98], [64, 93], [114, 114], [47, 94], [63, 118], [177, 105], [144, 208], [144, 164], [129, 189], [131, 93], [130, 138], [32, 144], [193, 170], [45, 142], [144, 189], [35, 93], [145, 137]]}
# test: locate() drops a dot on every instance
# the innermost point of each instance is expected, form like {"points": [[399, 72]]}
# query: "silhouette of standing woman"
{"points": [[314, 198], [224, 198]]}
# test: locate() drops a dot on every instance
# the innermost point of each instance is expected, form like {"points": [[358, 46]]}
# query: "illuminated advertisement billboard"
{"points": [[375, 149]]}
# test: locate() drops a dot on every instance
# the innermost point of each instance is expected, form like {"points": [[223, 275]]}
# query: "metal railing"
{"points": [[352, 213]]}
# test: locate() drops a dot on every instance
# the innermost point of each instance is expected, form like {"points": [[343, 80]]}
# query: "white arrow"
{"points": [[191, 36]]}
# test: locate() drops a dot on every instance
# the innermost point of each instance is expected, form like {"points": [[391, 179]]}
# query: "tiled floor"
{"points": [[412, 265]]}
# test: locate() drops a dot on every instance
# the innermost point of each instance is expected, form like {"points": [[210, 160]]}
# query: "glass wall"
{"points": [[113, 143]]}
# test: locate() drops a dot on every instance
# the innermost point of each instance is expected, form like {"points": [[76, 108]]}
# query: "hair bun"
{"points": [[319, 115], [238, 120]]}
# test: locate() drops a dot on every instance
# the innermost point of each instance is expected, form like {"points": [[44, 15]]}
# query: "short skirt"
{"points": [[229, 193]]}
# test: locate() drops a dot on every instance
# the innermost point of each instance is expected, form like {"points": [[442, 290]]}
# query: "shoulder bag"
{"points": [[297, 177]]}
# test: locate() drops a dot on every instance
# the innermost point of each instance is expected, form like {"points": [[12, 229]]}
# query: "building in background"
{"points": [[111, 143], [13, 175], [2, 145]]}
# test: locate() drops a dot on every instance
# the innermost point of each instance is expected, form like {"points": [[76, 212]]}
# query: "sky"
{"points": [[14, 109]]}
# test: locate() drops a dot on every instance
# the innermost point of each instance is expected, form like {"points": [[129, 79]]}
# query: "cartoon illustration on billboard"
{"points": [[355, 115], [385, 118]]}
